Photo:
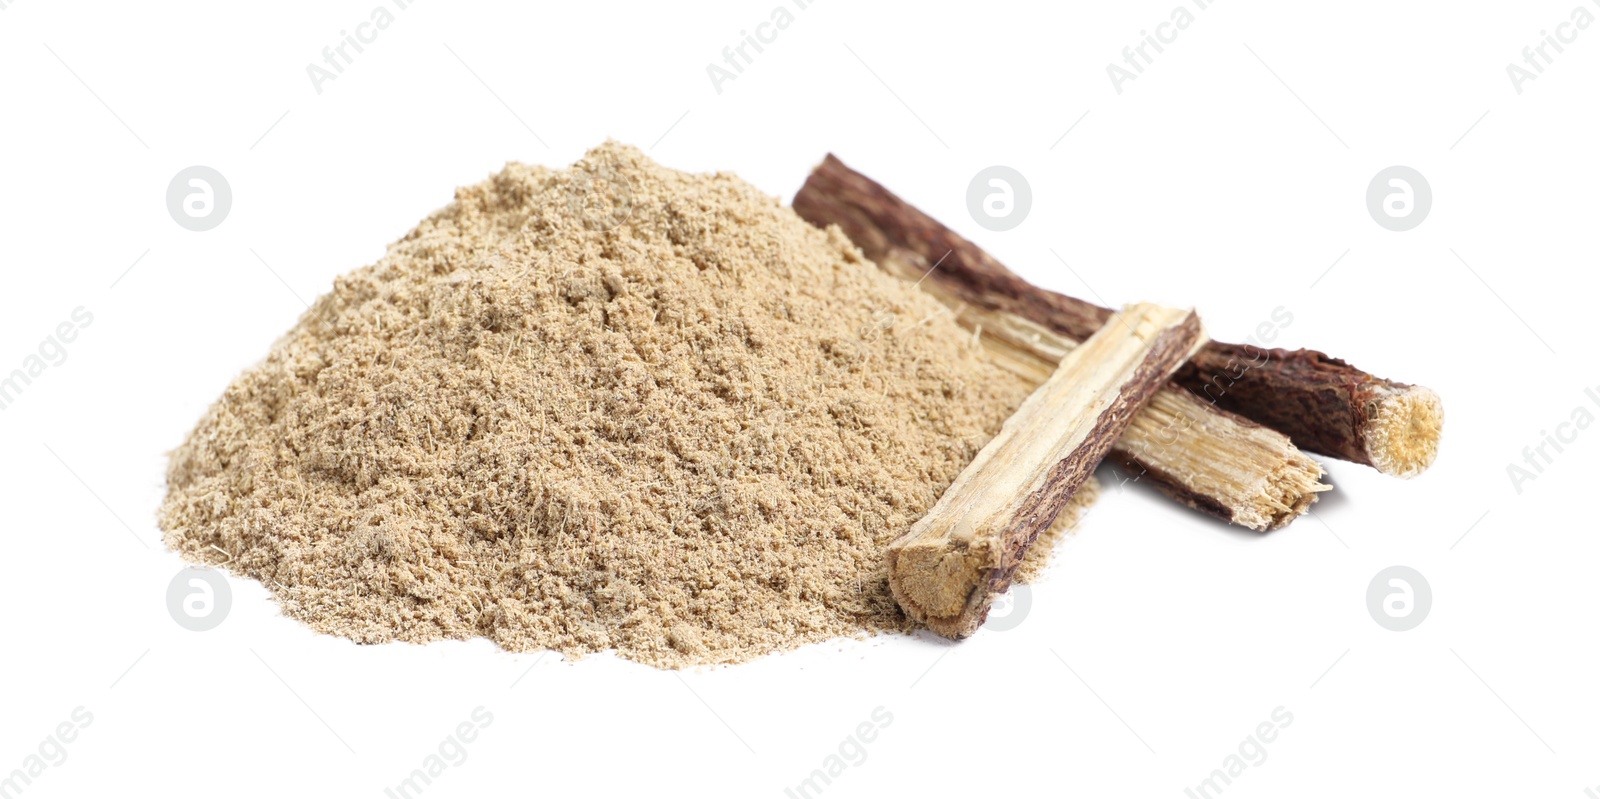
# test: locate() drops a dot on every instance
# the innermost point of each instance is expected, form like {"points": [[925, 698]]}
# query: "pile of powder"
{"points": [[610, 407]]}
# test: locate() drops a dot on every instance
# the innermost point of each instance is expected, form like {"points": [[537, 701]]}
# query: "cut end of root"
{"points": [[937, 585], [1403, 436], [1286, 495]]}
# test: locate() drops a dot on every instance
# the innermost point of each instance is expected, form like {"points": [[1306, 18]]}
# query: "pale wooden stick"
{"points": [[946, 570], [1180, 445]]}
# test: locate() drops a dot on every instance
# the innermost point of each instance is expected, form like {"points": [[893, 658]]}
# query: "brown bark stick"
{"points": [[1180, 444], [1323, 404], [946, 570]]}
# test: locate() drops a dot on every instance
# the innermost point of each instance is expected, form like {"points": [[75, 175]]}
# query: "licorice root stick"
{"points": [[946, 570]]}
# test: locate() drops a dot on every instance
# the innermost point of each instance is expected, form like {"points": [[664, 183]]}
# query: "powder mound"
{"points": [[612, 407]]}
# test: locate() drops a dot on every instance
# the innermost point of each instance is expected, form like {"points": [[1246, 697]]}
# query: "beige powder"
{"points": [[611, 407]]}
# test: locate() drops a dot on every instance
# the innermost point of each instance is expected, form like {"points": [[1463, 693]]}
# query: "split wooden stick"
{"points": [[1181, 445], [947, 569], [1322, 403]]}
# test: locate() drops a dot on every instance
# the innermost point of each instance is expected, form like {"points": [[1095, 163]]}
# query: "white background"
{"points": [[1159, 639]]}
